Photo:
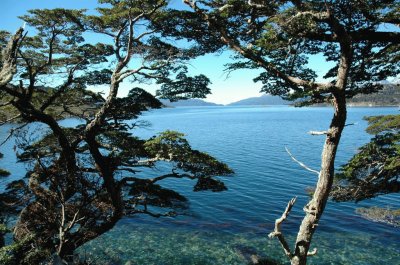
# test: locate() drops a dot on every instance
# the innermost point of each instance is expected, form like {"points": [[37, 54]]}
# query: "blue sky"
{"points": [[238, 86]]}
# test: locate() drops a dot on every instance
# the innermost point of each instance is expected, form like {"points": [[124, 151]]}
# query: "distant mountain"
{"points": [[262, 100], [388, 96], [188, 103]]}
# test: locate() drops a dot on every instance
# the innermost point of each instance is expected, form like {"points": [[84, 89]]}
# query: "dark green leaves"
{"points": [[130, 107], [185, 87], [209, 184], [375, 169], [155, 195], [171, 146], [380, 124], [3, 172]]}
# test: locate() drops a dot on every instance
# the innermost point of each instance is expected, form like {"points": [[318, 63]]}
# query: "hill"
{"points": [[262, 100], [188, 103], [388, 96]]}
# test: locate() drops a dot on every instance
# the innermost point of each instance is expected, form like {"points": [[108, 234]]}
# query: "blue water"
{"points": [[218, 226]]}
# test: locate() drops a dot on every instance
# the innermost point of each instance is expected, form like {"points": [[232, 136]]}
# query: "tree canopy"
{"points": [[375, 169], [83, 179]]}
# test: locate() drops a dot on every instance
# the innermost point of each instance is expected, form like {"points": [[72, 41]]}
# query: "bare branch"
{"points": [[172, 175], [300, 163], [350, 124], [234, 44], [9, 58], [156, 215], [117, 43], [130, 72], [318, 132], [255, 3], [6, 104], [145, 34], [313, 252], [62, 88], [10, 119], [277, 231], [12, 131]]}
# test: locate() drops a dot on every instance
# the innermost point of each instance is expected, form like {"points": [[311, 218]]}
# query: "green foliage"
{"points": [[22, 253], [382, 124], [171, 146], [382, 215], [4, 229], [3, 172], [281, 36], [83, 179], [185, 87], [157, 195], [375, 169], [131, 106]]}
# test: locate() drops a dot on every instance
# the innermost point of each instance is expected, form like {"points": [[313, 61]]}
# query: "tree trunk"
{"points": [[316, 206], [2, 241]]}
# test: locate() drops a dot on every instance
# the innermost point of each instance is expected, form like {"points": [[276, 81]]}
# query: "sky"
{"points": [[239, 85]]}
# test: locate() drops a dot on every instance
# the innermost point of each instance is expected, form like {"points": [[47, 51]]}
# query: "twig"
{"points": [[277, 231], [300, 163], [10, 119], [326, 132], [318, 132], [349, 124], [313, 252], [12, 131]]}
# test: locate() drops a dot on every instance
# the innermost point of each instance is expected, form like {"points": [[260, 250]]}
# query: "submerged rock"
{"points": [[249, 254]]}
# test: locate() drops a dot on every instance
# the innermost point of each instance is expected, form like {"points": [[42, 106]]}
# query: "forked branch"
{"points": [[277, 231]]}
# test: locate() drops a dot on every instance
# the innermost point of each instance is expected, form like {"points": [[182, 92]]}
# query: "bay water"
{"points": [[228, 227]]}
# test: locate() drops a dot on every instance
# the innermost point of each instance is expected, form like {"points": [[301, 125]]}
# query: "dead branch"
{"points": [[12, 131], [277, 231], [300, 163], [313, 252], [10, 119], [9, 55], [350, 124], [326, 132], [318, 132]]}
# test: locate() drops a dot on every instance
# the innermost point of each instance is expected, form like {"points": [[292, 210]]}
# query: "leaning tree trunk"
{"points": [[316, 206]]}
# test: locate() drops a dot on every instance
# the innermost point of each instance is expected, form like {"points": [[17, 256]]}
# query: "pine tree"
{"points": [[83, 179], [374, 170]]}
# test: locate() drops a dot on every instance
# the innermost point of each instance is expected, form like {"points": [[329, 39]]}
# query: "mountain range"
{"points": [[186, 103], [388, 96], [262, 100]]}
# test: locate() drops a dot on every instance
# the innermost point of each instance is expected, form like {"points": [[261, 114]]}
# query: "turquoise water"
{"points": [[227, 227]]}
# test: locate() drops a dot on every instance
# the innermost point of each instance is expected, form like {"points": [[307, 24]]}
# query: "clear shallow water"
{"points": [[222, 228]]}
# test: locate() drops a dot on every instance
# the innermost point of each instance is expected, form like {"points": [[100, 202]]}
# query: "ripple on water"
{"points": [[147, 244]]}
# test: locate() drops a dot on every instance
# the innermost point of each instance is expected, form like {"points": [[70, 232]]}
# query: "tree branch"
{"points": [[9, 58], [277, 231], [294, 82], [12, 131], [300, 163]]}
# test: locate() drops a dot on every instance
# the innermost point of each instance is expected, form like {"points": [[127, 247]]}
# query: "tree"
{"points": [[374, 170], [83, 179], [279, 37]]}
